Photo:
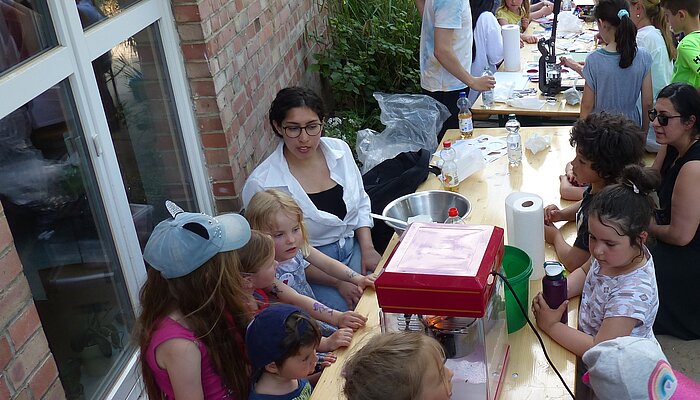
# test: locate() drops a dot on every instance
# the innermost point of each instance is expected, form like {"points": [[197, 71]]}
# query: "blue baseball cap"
{"points": [[266, 333], [183, 243]]}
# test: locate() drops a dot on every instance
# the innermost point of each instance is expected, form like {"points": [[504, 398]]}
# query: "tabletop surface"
{"points": [[530, 55], [528, 376]]}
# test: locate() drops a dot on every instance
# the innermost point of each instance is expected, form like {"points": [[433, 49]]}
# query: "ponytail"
{"points": [[653, 10], [616, 13]]}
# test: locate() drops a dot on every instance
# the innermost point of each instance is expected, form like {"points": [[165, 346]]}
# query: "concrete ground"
{"points": [[683, 355]]}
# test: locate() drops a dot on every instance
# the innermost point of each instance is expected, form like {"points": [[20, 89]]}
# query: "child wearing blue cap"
{"points": [[191, 328], [281, 344]]}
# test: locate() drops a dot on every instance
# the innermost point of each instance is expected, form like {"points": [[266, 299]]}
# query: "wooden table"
{"points": [[528, 55], [528, 376]]}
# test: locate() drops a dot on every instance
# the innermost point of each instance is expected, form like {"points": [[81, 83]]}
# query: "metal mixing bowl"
{"points": [[432, 202]]}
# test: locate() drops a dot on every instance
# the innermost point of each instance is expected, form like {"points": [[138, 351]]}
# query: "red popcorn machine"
{"points": [[438, 281]]}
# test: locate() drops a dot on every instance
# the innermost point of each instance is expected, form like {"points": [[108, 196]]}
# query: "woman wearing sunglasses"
{"points": [[676, 122], [321, 174]]}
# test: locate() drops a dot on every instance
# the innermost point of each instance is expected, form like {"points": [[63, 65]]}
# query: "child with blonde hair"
{"points": [[260, 284], [334, 284], [398, 366], [521, 12]]}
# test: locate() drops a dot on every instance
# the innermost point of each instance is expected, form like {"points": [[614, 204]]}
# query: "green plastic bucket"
{"points": [[518, 267]]}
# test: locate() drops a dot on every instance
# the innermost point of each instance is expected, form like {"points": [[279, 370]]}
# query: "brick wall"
{"points": [[238, 54], [27, 368]]}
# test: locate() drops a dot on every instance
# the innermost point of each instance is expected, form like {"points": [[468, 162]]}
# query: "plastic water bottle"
{"points": [[466, 125], [487, 95], [554, 286], [453, 216], [566, 5], [515, 150], [449, 167]]}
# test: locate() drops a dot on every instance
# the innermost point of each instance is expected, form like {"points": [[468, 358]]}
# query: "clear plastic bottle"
{"points": [[449, 167], [566, 5], [487, 95], [453, 216], [466, 125], [515, 150]]}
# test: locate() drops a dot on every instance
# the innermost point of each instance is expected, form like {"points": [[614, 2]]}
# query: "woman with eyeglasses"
{"points": [[321, 174], [676, 122]]}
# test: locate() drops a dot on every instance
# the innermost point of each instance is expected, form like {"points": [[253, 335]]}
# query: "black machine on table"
{"points": [[549, 69]]}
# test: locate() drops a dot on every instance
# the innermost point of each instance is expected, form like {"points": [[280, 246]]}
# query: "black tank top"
{"points": [[330, 201]]}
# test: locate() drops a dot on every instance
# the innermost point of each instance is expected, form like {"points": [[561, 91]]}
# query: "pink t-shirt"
{"points": [[211, 381]]}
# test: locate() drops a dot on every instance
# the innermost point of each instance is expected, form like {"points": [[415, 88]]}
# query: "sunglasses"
{"points": [[663, 119]]}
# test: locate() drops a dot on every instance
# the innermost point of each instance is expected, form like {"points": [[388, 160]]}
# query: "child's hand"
{"points": [[532, 39], [351, 293], [325, 359], [522, 44], [552, 213], [370, 260], [340, 338], [363, 282], [350, 319], [546, 317], [550, 232]]}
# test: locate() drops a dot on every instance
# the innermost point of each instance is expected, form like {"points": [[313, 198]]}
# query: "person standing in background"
{"points": [[684, 16], [654, 35], [446, 55], [488, 42]]}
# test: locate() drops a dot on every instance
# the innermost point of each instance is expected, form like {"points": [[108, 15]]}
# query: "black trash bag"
{"points": [[390, 180]]}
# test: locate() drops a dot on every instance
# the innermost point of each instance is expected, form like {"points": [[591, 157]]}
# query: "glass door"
{"points": [[96, 132]]}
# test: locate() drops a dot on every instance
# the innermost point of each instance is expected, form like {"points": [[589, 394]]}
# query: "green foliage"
{"points": [[369, 46]]}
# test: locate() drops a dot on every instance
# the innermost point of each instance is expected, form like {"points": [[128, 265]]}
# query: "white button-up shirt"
{"points": [[323, 227]]}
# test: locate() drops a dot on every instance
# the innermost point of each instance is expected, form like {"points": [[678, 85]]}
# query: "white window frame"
{"points": [[71, 59]]}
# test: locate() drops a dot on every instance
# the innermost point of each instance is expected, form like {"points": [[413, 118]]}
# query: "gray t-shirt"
{"points": [[616, 89], [632, 295]]}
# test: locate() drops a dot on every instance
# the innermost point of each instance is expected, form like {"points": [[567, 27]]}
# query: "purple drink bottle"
{"points": [[554, 286]]}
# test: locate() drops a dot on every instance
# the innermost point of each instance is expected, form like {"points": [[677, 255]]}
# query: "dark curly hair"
{"points": [[293, 97], [627, 206], [609, 142]]}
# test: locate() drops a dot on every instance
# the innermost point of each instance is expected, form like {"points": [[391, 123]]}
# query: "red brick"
{"points": [[190, 32], [194, 51], [5, 234], [23, 395], [5, 353], [27, 359], [219, 174], [4, 390], [10, 267], [205, 105], [203, 88], [215, 140], [44, 377], [197, 70], [55, 392], [223, 189], [216, 157], [207, 124], [24, 326], [13, 300], [186, 13]]}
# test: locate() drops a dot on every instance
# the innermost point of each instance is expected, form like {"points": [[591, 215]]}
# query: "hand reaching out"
{"points": [[350, 319], [350, 292]]}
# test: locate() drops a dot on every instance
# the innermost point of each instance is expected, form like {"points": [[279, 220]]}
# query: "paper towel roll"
{"points": [[511, 47], [525, 228]]}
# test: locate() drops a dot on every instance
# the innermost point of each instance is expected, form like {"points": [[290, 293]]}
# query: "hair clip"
{"points": [[622, 13], [634, 187]]}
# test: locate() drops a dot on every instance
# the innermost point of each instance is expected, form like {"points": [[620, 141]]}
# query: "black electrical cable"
{"points": [[539, 338]]}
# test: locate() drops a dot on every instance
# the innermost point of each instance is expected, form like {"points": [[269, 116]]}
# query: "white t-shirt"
{"points": [[489, 47], [448, 14], [632, 295]]}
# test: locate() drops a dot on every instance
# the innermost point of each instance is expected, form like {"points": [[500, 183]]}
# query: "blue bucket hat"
{"points": [[266, 333], [183, 243]]}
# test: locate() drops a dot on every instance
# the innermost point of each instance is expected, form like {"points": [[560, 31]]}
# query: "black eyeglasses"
{"points": [[310, 129], [663, 119]]}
